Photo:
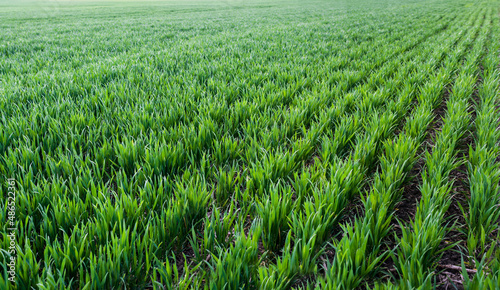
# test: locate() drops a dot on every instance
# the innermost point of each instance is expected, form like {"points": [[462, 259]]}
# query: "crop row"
{"points": [[419, 246], [357, 254], [482, 212]]}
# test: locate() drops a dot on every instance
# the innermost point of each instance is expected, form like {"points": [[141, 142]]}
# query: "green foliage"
{"points": [[245, 145]]}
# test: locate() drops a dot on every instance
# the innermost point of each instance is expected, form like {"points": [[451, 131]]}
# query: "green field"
{"points": [[250, 144]]}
